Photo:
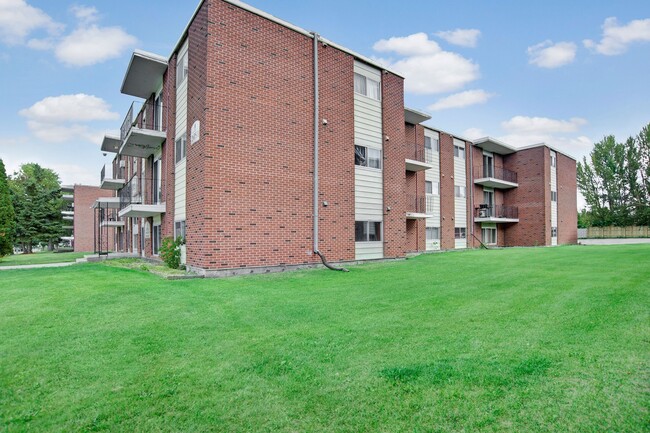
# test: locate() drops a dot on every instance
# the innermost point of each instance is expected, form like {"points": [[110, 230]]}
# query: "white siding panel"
{"points": [[554, 203], [180, 181], [368, 250], [460, 207], [460, 243], [367, 70], [368, 195]]}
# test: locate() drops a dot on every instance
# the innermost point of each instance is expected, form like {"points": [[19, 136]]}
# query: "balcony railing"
{"points": [[481, 172], [147, 115], [496, 211], [415, 152], [416, 204], [140, 190]]}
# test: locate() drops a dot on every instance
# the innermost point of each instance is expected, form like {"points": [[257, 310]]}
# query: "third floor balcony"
{"points": [[416, 158], [143, 129], [495, 177], [110, 180]]}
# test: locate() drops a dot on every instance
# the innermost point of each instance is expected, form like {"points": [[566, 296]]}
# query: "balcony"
{"points": [[416, 158], [495, 177], [139, 199], [111, 182], [417, 207], [110, 218], [142, 131], [67, 215], [486, 213]]}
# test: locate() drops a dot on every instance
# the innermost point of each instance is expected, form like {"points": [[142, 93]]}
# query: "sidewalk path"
{"points": [[617, 241], [44, 265]]}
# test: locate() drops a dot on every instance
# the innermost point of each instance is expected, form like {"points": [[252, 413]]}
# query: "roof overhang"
{"points": [[495, 146], [415, 117], [144, 75], [111, 143]]}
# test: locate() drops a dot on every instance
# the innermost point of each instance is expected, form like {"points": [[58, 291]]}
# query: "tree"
{"points": [[7, 215], [614, 181], [36, 197]]}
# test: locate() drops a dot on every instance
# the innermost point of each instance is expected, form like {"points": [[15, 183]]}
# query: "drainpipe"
{"points": [[316, 37]]}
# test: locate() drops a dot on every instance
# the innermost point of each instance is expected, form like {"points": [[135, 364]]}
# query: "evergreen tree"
{"points": [[7, 215], [36, 196]]}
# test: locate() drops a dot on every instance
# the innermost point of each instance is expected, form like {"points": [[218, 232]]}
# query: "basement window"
{"points": [[489, 235], [460, 191], [367, 231], [179, 229], [553, 232], [433, 233], [367, 157], [366, 86], [554, 196], [460, 233]]}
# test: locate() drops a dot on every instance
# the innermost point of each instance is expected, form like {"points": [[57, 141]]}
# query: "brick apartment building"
{"points": [[79, 219], [261, 143]]}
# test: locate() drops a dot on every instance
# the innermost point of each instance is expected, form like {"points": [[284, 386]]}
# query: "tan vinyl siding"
{"points": [[460, 204], [180, 185]]}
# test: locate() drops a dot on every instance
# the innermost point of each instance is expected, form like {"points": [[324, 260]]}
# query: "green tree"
{"points": [[614, 181], [36, 197], [7, 215]]}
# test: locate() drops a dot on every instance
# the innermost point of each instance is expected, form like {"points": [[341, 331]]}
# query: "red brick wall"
{"points": [[394, 166], [336, 154], [532, 197], [447, 203], [567, 206], [84, 216]]}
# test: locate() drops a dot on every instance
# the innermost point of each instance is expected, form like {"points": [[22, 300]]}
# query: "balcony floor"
{"points": [[495, 220], [143, 210], [413, 165], [142, 143], [112, 184], [493, 182]]}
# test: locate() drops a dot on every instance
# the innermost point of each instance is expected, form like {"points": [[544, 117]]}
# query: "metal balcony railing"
{"points": [[415, 152], [416, 204], [140, 190], [496, 211], [495, 173], [143, 115]]}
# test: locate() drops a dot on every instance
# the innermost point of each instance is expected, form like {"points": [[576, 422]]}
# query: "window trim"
{"points": [[366, 229], [367, 157], [554, 196], [183, 141], [458, 234], [365, 87], [182, 64], [458, 188], [437, 230], [457, 152]]}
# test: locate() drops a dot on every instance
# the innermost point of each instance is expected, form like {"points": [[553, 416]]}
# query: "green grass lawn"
{"points": [[515, 340], [40, 258]]}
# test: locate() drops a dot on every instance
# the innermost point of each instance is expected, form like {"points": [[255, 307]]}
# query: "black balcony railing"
{"points": [[140, 190], [495, 173], [147, 115], [496, 211], [416, 204]]}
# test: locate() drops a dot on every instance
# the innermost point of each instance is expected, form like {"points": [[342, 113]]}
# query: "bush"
{"points": [[170, 251]]}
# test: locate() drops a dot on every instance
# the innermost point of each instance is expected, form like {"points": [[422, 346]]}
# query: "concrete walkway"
{"points": [[44, 265], [617, 241]]}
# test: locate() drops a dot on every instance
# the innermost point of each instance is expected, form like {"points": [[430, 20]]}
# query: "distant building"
{"points": [[79, 220]]}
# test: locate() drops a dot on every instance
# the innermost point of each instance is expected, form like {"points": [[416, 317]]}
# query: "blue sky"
{"points": [[566, 73]]}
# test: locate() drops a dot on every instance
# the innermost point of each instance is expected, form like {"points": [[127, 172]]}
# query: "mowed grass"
{"points": [[516, 340], [40, 258]]}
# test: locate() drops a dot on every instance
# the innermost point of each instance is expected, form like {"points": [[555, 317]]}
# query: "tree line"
{"points": [[615, 182], [30, 208]]}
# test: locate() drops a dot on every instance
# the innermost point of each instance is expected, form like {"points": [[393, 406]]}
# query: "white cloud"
{"points": [[474, 133], [550, 55], [462, 37], [18, 20], [85, 14], [426, 67], [90, 45], [61, 118], [616, 38], [462, 99], [542, 125]]}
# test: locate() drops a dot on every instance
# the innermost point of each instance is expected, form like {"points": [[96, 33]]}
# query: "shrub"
{"points": [[170, 251]]}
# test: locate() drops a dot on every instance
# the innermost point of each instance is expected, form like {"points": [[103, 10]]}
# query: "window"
{"points": [[433, 233], [179, 229], [181, 143], [489, 235], [553, 232], [157, 112], [432, 188], [488, 197], [460, 191], [367, 231], [156, 239], [554, 196], [459, 152], [459, 233], [432, 144], [182, 69], [367, 157], [366, 86], [488, 165], [553, 160]]}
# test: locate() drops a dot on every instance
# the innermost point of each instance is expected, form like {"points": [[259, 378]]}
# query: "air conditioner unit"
{"points": [[122, 164]]}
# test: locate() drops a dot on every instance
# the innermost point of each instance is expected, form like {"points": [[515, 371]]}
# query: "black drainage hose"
{"points": [[327, 265]]}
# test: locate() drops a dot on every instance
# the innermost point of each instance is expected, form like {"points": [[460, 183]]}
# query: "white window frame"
{"points": [[366, 229], [492, 230], [361, 86], [182, 69], [182, 150], [554, 196], [180, 229], [460, 232], [460, 191], [553, 232], [553, 160], [368, 150], [156, 239], [459, 152], [435, 231]]}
